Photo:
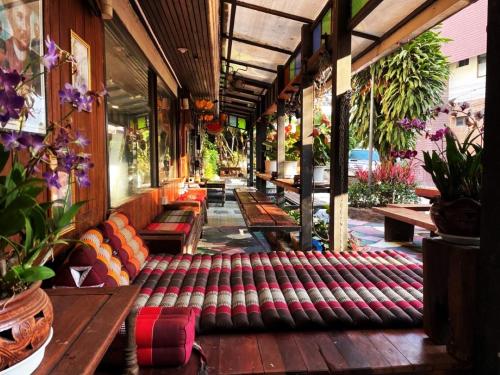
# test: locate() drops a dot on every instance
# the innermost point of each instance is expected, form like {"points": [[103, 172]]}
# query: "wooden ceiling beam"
{"points": [[365, 35], [273, 12], [241, 90], [232, 38], [239, 104], [253, 82], [248, 65], [242, 98], [241, 109], [363, 13]]}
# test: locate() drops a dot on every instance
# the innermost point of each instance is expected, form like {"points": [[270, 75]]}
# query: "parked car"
{"points": [[358, 160]]}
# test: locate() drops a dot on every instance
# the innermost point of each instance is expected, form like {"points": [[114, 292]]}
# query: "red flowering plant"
{"points": [[455, 166], [29, 164]]}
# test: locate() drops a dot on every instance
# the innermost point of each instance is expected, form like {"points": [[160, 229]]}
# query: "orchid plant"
{"points": [[29, 164], [455, 166]]}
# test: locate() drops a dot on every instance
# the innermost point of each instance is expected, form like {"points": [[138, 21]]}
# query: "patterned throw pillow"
{"points": [[126, 244], [92, 264]]}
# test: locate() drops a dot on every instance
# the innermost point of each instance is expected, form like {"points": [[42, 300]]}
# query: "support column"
{"points": [[280, 192], [153, 128], [251, 156], [487, 347], [260, 137], [341, 86], [306, 151]]}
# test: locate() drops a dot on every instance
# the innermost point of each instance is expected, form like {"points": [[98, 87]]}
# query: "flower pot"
{"points": [[25, 327], [271, 166], [319, 173], [461, 217], [290, 169]]}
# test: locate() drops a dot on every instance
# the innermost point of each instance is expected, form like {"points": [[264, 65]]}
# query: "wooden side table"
{"points": [[86, 320]]}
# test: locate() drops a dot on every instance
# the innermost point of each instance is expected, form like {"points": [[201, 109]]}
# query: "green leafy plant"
{"points": [[30, 229], [407, 83], [210, 159]]}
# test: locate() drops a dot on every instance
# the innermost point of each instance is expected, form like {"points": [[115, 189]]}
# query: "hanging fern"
{"points": [[408, 83]]}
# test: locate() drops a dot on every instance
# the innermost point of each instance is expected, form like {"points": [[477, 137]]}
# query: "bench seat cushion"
{"points": [[287, 290], [170, 227], [194, 196], [92, 264], [176, 216]]}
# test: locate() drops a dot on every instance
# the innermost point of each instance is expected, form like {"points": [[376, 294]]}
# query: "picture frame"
{"points": [[82, 73], [21, 42]]}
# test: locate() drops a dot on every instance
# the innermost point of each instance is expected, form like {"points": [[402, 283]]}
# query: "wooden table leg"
{"points": [[398, 231], [131, 366]]}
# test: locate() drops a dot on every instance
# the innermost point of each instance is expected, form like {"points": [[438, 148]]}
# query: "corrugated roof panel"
{"points": [[387, 15], [257, 56], [309, 8]]}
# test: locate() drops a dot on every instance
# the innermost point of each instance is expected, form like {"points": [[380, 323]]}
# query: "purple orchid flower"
{"points": [[81, 140], [52, 179], [10, 79], [51, 58], [36, 143], [11, 105], [82, 178], [10, 141]]}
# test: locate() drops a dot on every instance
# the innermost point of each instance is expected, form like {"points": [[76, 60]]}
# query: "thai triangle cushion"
{"points": [[125, 242], [164, 336], [92, 263]]}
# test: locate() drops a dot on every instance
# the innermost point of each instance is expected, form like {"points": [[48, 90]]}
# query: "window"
{"points": [[166, 133], [461, 121], [128, 114], [463, 62], [481, 65]]}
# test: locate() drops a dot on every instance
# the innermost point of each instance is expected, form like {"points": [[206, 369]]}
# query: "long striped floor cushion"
{"points": [[286, 290]]}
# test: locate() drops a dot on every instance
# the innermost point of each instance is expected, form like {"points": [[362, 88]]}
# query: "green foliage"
{"points": [[380, 194], [408, 83], [210, 159], [457, 170], [29, 230]]}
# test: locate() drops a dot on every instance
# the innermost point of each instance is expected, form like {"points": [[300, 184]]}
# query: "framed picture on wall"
{"points": [[81, 68], [21, 48]]}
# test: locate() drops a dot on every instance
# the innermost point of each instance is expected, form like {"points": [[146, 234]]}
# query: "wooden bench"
{"points": [[248, 196], [411, 206], [216, 192], [400, 222]]}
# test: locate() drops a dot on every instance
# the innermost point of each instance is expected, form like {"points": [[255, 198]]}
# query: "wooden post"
{"points": [[487, 358], [260, 137], [153, 128], [306, 151], [251, 156], [341, 86], [280, 192]]}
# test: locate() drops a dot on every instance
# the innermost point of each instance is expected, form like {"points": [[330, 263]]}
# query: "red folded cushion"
{"points": [[164, 336], [171, 227]]}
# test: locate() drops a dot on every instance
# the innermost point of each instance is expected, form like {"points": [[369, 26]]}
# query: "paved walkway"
{"points": [[226, 233]]}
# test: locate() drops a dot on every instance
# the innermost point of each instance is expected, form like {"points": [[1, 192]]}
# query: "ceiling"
{"points": [[256, 37], [192, 25]]}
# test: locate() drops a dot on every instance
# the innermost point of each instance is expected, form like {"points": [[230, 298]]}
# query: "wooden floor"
{"points": [[346, 352]]}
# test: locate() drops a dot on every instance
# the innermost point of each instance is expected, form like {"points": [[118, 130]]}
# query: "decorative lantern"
{"points": [[214, 127]]}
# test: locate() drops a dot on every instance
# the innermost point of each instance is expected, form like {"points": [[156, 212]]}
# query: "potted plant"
{"points": [[456, 170], [29, 229], [321, 152], [292, 148], [271, 149]]}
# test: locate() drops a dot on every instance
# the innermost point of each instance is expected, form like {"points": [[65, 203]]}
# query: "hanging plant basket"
{"points": [[214, 127]]}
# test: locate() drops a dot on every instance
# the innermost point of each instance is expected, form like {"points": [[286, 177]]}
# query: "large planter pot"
{"points": [[290, 169], [25, 327], [319, 173], [271, 166], [461, 217]]}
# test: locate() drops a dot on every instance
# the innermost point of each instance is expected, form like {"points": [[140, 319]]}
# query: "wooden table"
{"points": [[86, 321]]}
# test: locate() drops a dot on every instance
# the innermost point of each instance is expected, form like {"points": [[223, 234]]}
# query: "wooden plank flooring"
{"points": [[321, 352]]}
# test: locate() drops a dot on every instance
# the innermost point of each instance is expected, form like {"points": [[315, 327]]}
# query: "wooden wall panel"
{"points": [[60, 17]]}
